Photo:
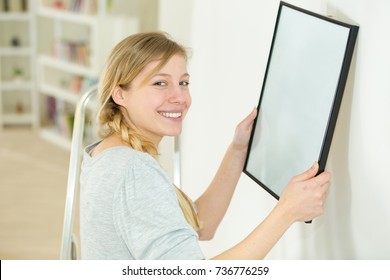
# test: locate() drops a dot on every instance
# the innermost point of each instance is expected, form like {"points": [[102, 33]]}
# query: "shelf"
{"points": [[15, 16], [66, 66], [17, 119], [18, 95], [16, 85], [67, 37], [65, 95], [52, 135], [22, 51], [62, 94], [70, 16]]}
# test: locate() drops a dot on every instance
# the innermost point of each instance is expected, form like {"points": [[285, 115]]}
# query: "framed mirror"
{"points": [[301, 95]]}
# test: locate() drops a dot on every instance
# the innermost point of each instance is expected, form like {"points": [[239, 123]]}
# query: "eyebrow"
{"points": [[168, 75]]}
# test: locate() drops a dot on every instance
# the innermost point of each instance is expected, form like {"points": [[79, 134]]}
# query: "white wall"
{"points": [[230, 41], [146, 11]]}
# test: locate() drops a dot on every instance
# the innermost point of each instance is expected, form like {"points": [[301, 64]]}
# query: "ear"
{"points": [[118, 96]]}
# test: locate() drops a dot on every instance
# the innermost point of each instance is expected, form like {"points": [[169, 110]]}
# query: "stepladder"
{"points": [[83, 118]]}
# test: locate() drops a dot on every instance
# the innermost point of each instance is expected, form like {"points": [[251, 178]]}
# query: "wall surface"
{"points": [[230, 41]]}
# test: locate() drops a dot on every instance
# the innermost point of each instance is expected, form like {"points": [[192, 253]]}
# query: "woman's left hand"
{"points": [[243, 132]]}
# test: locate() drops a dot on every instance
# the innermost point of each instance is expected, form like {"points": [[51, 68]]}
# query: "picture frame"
{"points": [[301, 95]]}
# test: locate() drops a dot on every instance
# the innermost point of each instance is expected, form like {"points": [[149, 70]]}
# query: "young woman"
{"points": [[129, 207]]}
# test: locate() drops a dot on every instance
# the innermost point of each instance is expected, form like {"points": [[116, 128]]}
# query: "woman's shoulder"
{"points": [[124, 165], [117, 155], [113, 147]]}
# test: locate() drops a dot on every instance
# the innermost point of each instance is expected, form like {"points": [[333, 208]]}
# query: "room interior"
{"points": [[47, 62]]}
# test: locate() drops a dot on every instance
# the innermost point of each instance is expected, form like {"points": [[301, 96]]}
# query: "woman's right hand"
{"points": [[303, 199], [304, 196]]}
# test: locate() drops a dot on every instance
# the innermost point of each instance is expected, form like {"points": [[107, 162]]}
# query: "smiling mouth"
{"points": [[171, 115]]}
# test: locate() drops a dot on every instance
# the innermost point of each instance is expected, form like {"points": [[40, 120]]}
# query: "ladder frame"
{"points": [[68, 248]]}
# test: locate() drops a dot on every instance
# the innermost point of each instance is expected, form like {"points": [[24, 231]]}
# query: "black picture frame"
{"points": [[300, 99]]}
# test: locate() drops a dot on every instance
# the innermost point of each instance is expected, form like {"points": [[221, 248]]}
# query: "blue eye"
{"points": [[160, 84]]}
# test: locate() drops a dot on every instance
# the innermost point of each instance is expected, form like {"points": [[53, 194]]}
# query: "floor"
{"points": [[33, 175]]}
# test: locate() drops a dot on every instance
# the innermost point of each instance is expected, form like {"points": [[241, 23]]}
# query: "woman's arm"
{"points": [[302, 200], [213, 203]]}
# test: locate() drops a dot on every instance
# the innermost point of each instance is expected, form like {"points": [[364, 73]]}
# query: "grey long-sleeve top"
{"points": [[129, 209]]}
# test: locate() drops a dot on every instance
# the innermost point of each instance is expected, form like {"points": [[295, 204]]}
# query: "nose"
{"points": [[177, 95]]}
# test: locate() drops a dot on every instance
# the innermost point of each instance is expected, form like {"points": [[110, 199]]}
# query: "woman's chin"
{"points": [[173, 132]]}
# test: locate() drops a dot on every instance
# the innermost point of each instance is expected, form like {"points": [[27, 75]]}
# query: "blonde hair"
{"points": [[126, 61], [188, 209]]}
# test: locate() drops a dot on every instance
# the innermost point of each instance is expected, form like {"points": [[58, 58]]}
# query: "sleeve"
{"points": [[149, 220]]}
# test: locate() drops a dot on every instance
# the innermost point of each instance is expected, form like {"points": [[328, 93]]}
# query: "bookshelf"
{"points": [[74, 40], [17, 63]]}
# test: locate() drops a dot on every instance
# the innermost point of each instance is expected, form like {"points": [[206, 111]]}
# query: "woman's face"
{"points": [[158, 107]]}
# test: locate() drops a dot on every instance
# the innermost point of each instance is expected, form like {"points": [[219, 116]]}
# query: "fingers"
{"points": [[248, 121], [243, 131], [253, 114], [307, 193], [308, 174], [322, 179]]}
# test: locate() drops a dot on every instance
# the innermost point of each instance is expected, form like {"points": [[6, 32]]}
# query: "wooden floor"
{"points": [[33, 176]]}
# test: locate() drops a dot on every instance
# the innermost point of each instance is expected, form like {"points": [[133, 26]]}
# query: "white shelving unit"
{"points": [[17, 64], [73, 45]]}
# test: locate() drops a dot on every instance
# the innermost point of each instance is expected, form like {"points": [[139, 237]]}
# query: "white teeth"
{"points": [[170, 115]]}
